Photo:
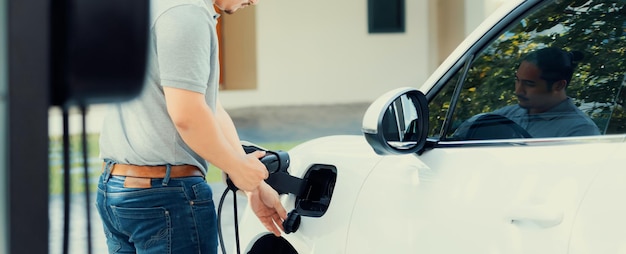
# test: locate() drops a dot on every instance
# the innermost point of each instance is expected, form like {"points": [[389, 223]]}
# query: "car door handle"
{"points": [[540, 215]]}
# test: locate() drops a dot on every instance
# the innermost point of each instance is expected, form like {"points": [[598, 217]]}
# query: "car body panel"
{"points": [[353, 166], [430, 207], [510, 195], [600, 225], [494, 206]]}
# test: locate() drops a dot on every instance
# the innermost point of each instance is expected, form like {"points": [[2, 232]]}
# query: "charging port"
{"points": [[318, 191]]}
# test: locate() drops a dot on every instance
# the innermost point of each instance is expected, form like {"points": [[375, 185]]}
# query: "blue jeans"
{"points": [[175, 215]]}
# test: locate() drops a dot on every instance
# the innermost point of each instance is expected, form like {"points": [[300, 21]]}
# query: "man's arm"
{"points": [[201, 130], [582, 129], [264, 200], [214, 137], [228, 127]]}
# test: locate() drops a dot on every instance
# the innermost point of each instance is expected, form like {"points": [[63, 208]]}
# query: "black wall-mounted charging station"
{"points": [[98, 54], [98, 50], [57, 53]]}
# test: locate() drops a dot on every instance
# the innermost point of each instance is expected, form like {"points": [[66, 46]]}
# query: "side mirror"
{"points": [[397, 122]]}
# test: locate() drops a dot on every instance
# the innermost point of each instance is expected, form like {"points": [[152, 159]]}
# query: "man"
{"points": [[544, 109], [152, 195]]}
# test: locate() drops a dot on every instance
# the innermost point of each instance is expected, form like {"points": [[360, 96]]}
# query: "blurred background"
{"points": [[293, 71]]}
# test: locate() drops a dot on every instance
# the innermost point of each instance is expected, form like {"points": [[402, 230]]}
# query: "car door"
{"points": [[504, 194]]}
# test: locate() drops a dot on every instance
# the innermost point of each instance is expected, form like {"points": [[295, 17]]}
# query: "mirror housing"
{"points": [[397, 122]]}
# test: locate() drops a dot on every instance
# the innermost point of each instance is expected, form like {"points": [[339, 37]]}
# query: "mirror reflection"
{"points": [[400, 123]]}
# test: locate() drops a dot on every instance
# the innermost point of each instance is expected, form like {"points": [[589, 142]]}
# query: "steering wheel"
{"points": [[494, 126]]}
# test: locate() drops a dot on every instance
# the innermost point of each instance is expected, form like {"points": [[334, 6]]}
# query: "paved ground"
{"points": [[297, 123], [257, 125]]}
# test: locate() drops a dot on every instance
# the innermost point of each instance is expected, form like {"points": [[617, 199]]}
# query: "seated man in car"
{"points": [[544, 109]]}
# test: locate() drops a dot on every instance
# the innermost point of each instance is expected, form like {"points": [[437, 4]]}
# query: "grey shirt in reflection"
{"points": [[563, 120]]}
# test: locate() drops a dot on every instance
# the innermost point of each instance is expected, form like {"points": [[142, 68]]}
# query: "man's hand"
{"points": [[266, 205], [249, 177]]}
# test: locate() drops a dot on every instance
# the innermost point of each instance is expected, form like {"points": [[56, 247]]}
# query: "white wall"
{"points": [[320, 52]]}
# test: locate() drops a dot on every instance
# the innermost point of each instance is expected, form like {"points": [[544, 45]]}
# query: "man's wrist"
{"points": [[256, 191]]}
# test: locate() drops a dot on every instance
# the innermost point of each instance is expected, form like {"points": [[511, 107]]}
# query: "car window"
{"points": [[440, 106], [596, 28]]}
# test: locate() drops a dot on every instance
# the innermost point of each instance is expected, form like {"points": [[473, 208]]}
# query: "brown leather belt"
{"points": [[140, 176], [177, 171]]}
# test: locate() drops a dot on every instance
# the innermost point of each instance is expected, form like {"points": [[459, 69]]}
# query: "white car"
{"points": [[431, 191]]}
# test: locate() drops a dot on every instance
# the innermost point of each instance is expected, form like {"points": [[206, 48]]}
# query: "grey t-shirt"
{"points": [[563, 120], [183, 53]]}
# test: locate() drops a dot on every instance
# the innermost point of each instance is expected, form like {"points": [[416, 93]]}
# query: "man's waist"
{"points": [[140, 171]]}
